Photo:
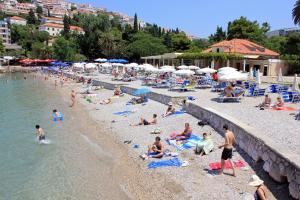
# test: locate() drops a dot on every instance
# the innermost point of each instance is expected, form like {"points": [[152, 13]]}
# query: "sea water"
{"points": [[29, 170]]}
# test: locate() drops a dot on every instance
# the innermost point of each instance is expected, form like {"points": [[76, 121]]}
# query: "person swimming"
{"points": [[40, 133]]}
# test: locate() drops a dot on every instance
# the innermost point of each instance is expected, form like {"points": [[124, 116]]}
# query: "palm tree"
{"points": [[296, 12]]}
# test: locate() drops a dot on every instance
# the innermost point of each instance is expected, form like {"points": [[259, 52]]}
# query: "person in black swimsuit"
{"points": [[40, 133], [156, 150], [146, 122]]}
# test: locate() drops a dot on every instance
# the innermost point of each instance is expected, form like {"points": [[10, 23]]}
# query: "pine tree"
{"points": [[49, 15], [31, 19], [135, 24], [66, 31]]}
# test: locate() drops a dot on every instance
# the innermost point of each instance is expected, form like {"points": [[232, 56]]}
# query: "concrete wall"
{"points": [[281, 164]]}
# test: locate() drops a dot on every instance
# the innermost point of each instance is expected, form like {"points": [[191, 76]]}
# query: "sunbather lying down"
{"points": [[146, 122], [155, 150], [279, 103], [185, 135], [140, 100], [205, 146]]}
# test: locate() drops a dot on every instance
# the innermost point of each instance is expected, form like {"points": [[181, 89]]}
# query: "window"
{"points": [[48, 29], [52, 29]]}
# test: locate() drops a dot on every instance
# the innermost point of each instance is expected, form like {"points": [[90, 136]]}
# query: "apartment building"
{"points": [[55, 29], [5, 32], [17, 20]]}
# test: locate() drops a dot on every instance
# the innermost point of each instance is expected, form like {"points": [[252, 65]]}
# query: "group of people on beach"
{"points": [[267, 103]]}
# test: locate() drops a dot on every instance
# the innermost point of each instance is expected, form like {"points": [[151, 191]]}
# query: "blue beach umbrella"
{"points": [[142, 91]]}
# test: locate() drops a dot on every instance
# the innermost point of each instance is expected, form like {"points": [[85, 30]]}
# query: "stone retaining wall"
{"points": [[281, 164]]}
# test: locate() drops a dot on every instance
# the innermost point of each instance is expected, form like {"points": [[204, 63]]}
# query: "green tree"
{"points": [[180, 42], [39, 10], [2, 49], [296, 12], [276, 43], [220, 35], [66, 31], [135, 23], [143, 44], [64, 50], [31, 19], [111, 43], [292, 45], [40, 51], [242, 28]]}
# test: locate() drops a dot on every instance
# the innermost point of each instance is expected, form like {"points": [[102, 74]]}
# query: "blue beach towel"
{"points": [[60, 117], [191, 142], [122, 113], [178, 112], [174, 162]]}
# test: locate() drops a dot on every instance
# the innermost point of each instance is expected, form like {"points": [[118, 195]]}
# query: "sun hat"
{"points": [[170, 103], [255, 181]]}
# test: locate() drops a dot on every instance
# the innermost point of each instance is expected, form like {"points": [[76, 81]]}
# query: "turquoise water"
{"points": [[29, 170]]}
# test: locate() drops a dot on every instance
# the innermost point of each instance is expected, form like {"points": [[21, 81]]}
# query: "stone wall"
{"points": [[281, 164]]}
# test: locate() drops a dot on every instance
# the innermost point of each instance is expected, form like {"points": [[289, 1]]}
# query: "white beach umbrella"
{"points": [[183, 67], [250, 75], [8, 57], [295, 86], [106, 65], [101, 60], [167, 67], [184, 72], [117, 64], [168, 70], [233, 76], [152, 70], [280, 77], [227, 69], [206, 70], [90, 66], [192, 67], [134, 65], [258, 79], [78, 65]]}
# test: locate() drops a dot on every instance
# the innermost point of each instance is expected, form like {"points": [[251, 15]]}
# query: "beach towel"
{"points": [[191, 98], [123, 113], [174, 162], [179, 112], [189, 143], [206, 145], [285, 108], [60, 117], [217, 165]]}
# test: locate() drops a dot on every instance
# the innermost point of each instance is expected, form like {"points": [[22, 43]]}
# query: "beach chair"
{"points": [[285, 97], [283, 89], [246, 85], [259, 92], [295, 97], [219, 87], [239, 93]]}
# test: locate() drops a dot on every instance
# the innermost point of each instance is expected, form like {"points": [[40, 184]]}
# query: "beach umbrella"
{"points": [[117, 64], [134, 65], [258, 81], [167, 70], [184, 72], [183, 67], [206, 70], [142, 91], [233, 76], [167, 67], [295, 86], [8, 57], [192, 67], [152, 69], [227, 69], [106, 65], [250, 75], [101, 60], [280, 77], [90, 66]]}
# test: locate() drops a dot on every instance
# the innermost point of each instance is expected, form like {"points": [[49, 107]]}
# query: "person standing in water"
{"points": [[227, 149], [73, 98], [40, 133]]}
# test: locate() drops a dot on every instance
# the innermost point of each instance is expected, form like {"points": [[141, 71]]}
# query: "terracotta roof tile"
{"points": [[17, 18], [54, 25], [242, 46]]}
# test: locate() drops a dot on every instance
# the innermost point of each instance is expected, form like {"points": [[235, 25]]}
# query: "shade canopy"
{"points": [[206, 70]]}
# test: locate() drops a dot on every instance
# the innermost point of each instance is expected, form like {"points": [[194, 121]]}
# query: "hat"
{"points": [[255, 181], [170, 104]]}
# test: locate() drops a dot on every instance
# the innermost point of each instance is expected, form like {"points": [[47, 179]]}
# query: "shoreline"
{"points": [[179, 180]]}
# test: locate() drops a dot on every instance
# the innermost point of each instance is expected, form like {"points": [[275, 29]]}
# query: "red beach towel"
{"points": [[217, 165], [285, 108]]}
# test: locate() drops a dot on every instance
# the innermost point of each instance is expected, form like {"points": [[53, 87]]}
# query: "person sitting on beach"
{"points": [[117, 91], [156, 150], [267, 102], [40, 133], [205, 146], [56, 113], [106, 101], [229, 91], [186, 134], [279, 103], [170, 110], [147, 122], [261, 190]]}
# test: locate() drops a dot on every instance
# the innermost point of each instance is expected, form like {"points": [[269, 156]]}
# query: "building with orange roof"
{"points": [[17, 20], [55, 29], [254, 57], [55, 20]]}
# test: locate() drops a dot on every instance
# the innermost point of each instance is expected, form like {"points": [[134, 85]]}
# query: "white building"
{"points": [[55, 29], [17, 20], [283, 32], [52, 20], [5, 32]]}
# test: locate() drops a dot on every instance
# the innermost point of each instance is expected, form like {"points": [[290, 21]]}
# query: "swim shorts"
{"points": [[42, 137], [226, 154], [146, 122]]}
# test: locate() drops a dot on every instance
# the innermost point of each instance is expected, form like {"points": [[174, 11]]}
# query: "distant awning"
{"points": [[251, 56]]}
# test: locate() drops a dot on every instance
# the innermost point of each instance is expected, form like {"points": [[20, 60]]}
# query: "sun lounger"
{"points": [[286, 97]]}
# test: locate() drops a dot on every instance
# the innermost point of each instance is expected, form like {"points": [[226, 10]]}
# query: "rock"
{"points": [[291, 175], [294, 191], [275, 173], [266, 166]]}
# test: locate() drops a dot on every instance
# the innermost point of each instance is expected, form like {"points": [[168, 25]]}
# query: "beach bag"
{"points": [[203, 123], [199, 148]]}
